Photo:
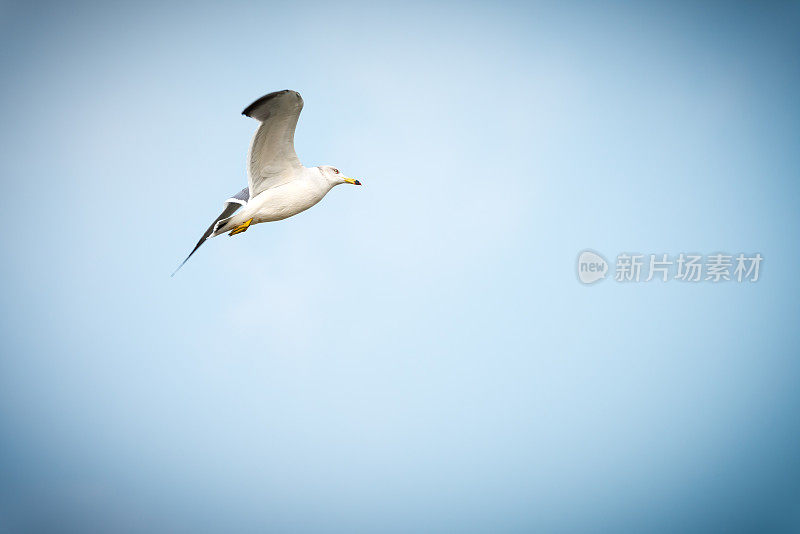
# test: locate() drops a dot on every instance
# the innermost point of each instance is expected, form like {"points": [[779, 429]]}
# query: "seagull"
{"points": [[278, 185]]}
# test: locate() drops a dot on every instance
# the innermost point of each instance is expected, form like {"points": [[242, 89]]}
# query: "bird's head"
{"points": [[335, 177]]}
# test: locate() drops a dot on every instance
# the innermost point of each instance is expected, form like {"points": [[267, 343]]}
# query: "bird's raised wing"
{"points": [[271, 160]]}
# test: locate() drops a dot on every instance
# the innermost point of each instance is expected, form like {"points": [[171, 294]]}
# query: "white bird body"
{"points": [[278, 185], [305, 188]]}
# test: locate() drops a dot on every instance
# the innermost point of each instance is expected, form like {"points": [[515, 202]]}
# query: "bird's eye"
{"points": [[336, 171]]}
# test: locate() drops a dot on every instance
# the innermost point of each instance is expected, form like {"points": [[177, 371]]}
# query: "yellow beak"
{"points": [[351, 181]]}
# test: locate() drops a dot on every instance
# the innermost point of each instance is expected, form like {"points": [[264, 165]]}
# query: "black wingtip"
{"points": [[248, 111], [230, 209], [202, 240]]}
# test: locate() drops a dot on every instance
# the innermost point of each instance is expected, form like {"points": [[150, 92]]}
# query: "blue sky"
{"points": [[416, 354]]}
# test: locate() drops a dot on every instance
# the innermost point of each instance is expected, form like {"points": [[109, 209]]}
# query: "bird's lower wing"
{"points": [[231, 206]]}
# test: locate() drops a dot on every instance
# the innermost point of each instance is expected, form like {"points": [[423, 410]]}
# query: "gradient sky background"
{"points": [[415, 355]]}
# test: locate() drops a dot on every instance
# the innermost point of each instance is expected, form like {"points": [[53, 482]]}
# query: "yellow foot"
{"points": [[241, 228]]}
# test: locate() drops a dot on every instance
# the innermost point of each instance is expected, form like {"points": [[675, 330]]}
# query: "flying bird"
{"points": [[278, 186]]}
